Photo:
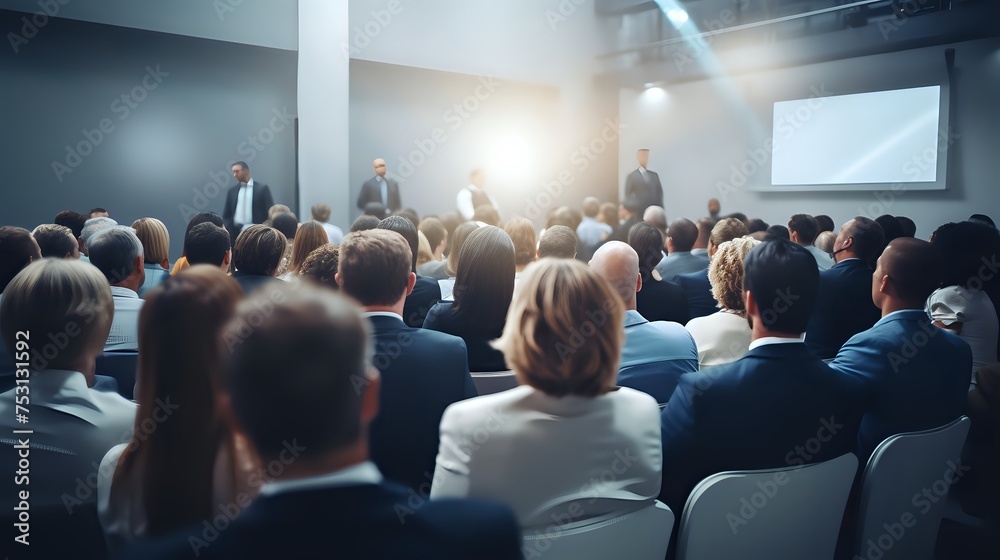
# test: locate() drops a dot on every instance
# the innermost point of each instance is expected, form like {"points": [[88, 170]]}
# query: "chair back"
{"points": [[793, 512], [489, 382], [639, 535], [120, 365], [904, 491]]}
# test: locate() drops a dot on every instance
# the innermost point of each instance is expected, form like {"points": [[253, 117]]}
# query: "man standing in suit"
{"points": [[775, 407], [423, 371], [474, 196], [644, 184], [247, 202], [321, 494], [381, 189], [915, 375], [845, 306]]}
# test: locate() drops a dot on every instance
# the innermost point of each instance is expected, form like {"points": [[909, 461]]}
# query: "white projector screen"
{"points": [[858, 140]]}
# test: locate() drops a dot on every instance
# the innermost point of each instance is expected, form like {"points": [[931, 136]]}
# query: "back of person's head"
{"points": [[376, 209], [705, 226], [656, 216], [591, 207], [909, 270], [783, 279], [92, 226], [727, 229], [404, 227], [456, 241], [758, 235], [824, 223], [618, 264], [890, 227], [486, 214], [71, 219], [276, 209], [609, 214], [409, 216], [365, 221], [967, 247], [375, 266], [98, 212], [287, 224], [321, 212], [645, 240], [311, 235], [258, 250], [825, 240], [908, 225], [206, 243], [756, 225], [867, 237], [725, 273], [682, 233], [777, 231], [424, 252], [434, 231], [522, 233], [982, 219], [321, 266], [201, 218], [155, 239], [17, 250], [450, 221], [58, 296], [633, 205], [564, 331], [558, 242], [115, 251], [319, 343], [56, 241], [740, 216], [484, 283], [804, 227]]}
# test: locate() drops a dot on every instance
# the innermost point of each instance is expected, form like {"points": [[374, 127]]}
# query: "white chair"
{"points": [[794, 512], [905, 490], [489, 382], [639, 535]]}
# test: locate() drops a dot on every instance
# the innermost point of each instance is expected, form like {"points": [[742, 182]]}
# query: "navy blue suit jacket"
{"points": [[426, 293], [844, 308], [698, 291], [915, 376], [659, 300], [362, 521], [423, 372], [252, 282], [777, 406]]}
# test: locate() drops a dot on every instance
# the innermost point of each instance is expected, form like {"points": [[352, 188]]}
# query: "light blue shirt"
{"points": [[681, 262], [590, 231]]}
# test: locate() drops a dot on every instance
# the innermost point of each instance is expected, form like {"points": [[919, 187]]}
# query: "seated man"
{"points": [[680, 260], [55, 316], [557, 242], [655, 354], [207, 243], [766, 409], [117, 252], [915, 375], [423, 371], [325, 498], [803, 229]]}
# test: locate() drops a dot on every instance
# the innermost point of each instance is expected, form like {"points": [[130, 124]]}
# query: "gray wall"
{"points": [[156, 161]]}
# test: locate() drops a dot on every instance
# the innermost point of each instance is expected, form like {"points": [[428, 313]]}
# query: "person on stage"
{"points": [[644, 185], [247, 202], [381, 189], [474, 196]]}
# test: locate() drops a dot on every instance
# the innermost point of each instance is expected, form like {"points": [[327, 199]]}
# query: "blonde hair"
{"points": [[424, 252], [564, 330], [726, 230], [725, 273], [67, 298], [155, 239], [825, 240]]}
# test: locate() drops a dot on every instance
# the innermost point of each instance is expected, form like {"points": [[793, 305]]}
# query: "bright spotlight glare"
{"points": [[677, 16], [512, 158]]}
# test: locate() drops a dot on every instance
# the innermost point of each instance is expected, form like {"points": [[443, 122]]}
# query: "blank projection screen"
{"points": [[858, 141]]}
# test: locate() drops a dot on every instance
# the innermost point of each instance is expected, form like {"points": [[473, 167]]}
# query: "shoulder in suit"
{"points": [[698, 291], [844, 307], [426, 292]]}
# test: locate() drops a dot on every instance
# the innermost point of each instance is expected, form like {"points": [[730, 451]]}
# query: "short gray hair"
{"points": [[113, 250], [94, 225]]}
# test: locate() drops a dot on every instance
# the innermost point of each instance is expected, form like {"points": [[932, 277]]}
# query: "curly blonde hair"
{"points": [[726, 273]]}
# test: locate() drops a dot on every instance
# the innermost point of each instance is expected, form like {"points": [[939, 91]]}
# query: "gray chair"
{"points": [[489, 382], [639, 535]]}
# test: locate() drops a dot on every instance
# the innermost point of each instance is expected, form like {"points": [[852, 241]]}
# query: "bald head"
{"points": [[618, 264], [379, 166], [908, 271]]}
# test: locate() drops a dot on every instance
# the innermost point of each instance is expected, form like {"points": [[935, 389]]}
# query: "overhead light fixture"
{"points": [[648, 85]]}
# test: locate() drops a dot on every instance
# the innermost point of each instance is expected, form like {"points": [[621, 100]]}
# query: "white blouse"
{"points": [[721, 337], [975, 312]]}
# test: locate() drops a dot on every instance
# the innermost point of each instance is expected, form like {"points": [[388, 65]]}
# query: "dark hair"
{"points": [[966, 245], [450, 221], [484, 284], [73, 220], [287, 223], [522, 232], [242, 164], [404, 227], [409, 216], [55, 241], [98, 210], [433, 230], [868, 238], [805, 226], [365, 221], [203, 217], [982, 219], [318, 340], [684, 233], [739, 216], [890, 227], [487, 214], [376, 209], [756, 225], [258, 250], [915, 268], [647, 242], [206, 243], [562, 216], [321, 266], [375, 266], [777, 231], [17, 249], [783, 279], [908, 225], [456, 241], [559, 242], [824, 222]]}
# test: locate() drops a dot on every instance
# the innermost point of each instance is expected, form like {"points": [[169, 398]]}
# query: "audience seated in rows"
{"points": [[658, 300], [155, 239], [558, 242], [891, 229], [56, 241], [309, 236], [700, 247], [18, 249], [522, 233], [629, 214], [75, 222], [424, 252], [908, 226], [567, 421], [450, 265], [426, 292], [199, 218], [321, 266], [777, 231], [591, 231], [825, 241], [803, 229], [679, 260], [117, 252], [257, 256], [656, 216], [696, 285], [90, 228], [824, 223], [363, 222], [288, 224], [437, 237], [655, 353], [207, 243], [321, 214]]}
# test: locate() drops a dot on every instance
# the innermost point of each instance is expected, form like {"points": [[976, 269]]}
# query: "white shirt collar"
{"points": [[250, 183], [642, 169], [355, 475], [118, 291], [764, 341], [898, 311], [382, 314]]}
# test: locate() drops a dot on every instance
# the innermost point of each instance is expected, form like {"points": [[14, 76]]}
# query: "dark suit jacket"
{"points": [[262, 202], [844, 308], [422, 373], [659, 300], [482, 356], [758, 412], [620, 233], [362, 521], [915, 376], [698, 292], [252, 282], [426, 293], [372, 192], [648, 190]]}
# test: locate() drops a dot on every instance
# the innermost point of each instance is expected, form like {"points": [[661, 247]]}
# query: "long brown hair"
{"points": [[179, 430], [310, 236]]}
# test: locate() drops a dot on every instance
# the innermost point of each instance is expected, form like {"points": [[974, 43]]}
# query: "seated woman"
{"points": [[183, 462], [551, 442], [309, 236], [483, 290], [724, 336], [522, 233], [155, 252], [451, 264], [658, 300]]}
